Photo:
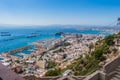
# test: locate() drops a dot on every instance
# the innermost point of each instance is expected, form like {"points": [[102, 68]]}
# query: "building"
{"points": [[41, 64]]}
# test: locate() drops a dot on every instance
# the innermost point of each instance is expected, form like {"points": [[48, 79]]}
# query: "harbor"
{"points": [[58, 50], [36, 56], [18, 49], [21, 37]]}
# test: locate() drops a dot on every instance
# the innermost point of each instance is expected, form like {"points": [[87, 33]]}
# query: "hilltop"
{"points": [[100, 53]]}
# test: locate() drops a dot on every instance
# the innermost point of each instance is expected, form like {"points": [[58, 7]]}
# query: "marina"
{"points": [[18, 49]]}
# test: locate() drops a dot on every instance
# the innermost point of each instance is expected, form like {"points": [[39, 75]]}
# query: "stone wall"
{"points": [[96, 76], [111, 66], [19, 49]]}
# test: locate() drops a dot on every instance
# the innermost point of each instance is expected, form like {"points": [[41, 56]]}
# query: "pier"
{"points": [[18, 49]]}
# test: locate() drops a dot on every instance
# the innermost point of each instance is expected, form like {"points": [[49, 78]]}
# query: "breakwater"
{"points": [[18, 49]]}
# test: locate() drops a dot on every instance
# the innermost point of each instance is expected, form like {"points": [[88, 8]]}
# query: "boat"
{"points": [[31, 50], [9, 39], [5, 34], [32, 35], [21, 54]]}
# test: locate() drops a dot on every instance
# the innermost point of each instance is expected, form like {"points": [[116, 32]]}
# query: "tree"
{"points": [[109, 40], [51, 64], [17, 61], [54, 72], [115, 50], [67, 44], [100, 51]]}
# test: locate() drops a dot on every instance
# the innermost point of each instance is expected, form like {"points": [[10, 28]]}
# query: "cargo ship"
{"points": [[5, 34], [32, 35]]}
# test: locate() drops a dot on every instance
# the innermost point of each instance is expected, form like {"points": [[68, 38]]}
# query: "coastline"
{"points": [[62, 51], [6, 46]]}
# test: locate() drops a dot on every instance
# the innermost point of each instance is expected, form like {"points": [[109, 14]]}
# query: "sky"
{"points": [[64, 12]]}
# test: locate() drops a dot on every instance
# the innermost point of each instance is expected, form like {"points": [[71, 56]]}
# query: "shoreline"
{"points": [[50, 38], [18, 50], [6, 46], [62, 51]]}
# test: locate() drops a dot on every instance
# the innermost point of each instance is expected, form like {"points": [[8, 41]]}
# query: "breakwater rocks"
{"points": [[18, 49]]}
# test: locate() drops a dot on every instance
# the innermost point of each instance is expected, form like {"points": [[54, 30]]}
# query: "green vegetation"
{"points": [[99, 52], [84, 66], [119, 34], [54, 72], [109, 40], [90, 63], [51, 64], [67, 44], [17, 61], [114, 50], [59, 50]]}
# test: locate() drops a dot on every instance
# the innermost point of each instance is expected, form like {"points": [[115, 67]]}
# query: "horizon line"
{"points": [[43, 25]]}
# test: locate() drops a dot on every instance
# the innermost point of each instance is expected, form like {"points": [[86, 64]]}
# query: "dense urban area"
{"points": [[72, 54]]}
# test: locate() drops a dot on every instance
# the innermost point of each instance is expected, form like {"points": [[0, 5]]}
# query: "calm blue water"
{"points": [[20, 40]]}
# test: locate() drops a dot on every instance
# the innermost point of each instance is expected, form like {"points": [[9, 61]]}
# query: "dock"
{"points": [[18, 49]]}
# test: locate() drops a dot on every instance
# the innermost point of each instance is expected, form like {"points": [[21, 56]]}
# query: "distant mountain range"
{"points": [[60, 26]]}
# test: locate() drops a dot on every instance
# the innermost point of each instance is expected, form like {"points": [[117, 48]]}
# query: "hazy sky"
{"points": [[47, 12]]}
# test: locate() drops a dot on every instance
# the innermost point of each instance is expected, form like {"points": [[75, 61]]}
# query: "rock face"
{"points": [[6, 74]]}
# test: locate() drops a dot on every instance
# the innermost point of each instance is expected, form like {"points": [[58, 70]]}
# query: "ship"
{"points": [[32, 35], [5, 34], [9, 39]]}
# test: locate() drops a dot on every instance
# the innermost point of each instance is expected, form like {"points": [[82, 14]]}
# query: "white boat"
{"points": [[21, 54], [31, 50]]}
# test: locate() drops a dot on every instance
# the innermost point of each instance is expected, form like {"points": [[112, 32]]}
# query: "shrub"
{"points": [[51, 64], [109, 40], [54, 72]]}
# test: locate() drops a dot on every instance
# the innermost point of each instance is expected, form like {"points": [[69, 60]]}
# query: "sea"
{"points": [[19, 36]]}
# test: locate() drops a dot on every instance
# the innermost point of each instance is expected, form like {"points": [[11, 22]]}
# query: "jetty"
{"points": [[18, 49]]}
